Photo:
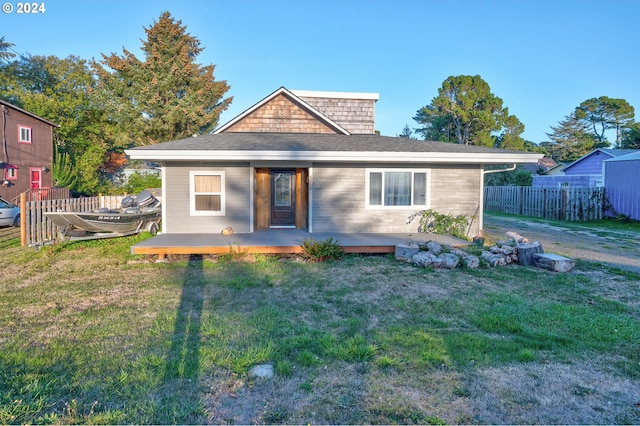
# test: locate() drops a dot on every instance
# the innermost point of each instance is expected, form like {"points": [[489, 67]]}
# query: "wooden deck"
{"points": [[278, 241]]}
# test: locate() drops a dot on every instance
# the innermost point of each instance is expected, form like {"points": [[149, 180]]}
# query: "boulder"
{"points": [[471, 261], [405, 252], [434, 248], [450, 260]]}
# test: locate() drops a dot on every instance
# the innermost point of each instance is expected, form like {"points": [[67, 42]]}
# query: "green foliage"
{"points": [[571, 140], [166, 95], [465, 111], [320, 250], [63, 170], [441, 223], [606, 113], [138, 182]]}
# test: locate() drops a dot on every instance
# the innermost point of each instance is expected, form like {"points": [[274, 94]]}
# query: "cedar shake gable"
{"points": [[286, 111]]}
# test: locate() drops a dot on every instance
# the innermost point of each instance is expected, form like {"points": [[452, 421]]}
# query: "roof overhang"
{"points": [[335, 156]]}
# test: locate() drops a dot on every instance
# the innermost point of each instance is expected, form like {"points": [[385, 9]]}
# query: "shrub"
{"points": [[440, 223], [321, 250]]}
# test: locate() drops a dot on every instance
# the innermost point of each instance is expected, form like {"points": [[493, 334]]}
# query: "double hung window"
{"points": [[207, 193], [24, 134]]}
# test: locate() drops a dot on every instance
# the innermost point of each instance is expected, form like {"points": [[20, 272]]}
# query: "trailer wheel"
{"points": [[152, 227]]}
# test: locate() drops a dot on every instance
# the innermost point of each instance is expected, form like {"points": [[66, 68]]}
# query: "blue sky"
{"points": [[543, 58]]}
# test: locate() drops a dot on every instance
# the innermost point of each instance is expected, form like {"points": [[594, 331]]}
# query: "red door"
{"points": [[36, 178]]}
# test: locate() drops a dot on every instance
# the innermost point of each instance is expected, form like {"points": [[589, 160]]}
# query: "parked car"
{"points": [[9, 213]]}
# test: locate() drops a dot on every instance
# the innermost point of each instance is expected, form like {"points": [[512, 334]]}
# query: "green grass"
{"points": [[91, 334]]}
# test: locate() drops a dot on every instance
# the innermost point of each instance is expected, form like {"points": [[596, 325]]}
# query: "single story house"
{"points": [[622, 184], [313, 161], [585, 171]]}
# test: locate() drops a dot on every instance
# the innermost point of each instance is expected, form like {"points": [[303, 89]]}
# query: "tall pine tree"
{"points": [[166, 95]]}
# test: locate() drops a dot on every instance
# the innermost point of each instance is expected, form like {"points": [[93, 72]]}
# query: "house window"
{"points": [[207, 193], [11, 172], [397, 188], [24, 134]]}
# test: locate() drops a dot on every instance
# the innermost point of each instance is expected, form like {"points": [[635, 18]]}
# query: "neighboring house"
{"points": [[622, 184], [544, 166], [312, 160], [27, 151], [585, 171]]}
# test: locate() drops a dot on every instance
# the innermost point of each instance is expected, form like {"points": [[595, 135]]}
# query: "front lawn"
{"points": [[91, 334]]}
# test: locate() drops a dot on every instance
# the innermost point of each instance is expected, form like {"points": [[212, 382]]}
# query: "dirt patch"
{"points": [[617, 249]]}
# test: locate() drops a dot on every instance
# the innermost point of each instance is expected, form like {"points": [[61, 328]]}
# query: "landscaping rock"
{"points": [[263, 370], [553, 262], [434, 248], [450, 260], [425, 258], [470, 261], [405, 252]]}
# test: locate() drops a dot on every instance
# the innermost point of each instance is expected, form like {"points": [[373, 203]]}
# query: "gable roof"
{"points": [[609, 152], [30, 114], [633, 156], [320, 147], [304, 105]]}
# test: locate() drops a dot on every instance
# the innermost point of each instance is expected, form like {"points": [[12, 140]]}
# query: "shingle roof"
{"points": [[315, 142]]}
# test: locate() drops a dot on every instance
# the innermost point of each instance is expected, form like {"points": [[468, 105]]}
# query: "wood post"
{"points": [[23, 219]]}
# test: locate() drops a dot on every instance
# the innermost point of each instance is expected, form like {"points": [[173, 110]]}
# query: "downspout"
{"points": [[481, 206], [4, 133]]}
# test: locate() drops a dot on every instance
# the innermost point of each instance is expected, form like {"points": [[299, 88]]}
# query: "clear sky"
{"points": [[542, 57]]}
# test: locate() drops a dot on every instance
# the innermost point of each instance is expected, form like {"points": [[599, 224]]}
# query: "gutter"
{"points": [[509, 169]]}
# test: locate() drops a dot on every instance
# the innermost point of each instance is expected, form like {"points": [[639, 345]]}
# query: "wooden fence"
{"points": [[37, 229], [570, 204]]}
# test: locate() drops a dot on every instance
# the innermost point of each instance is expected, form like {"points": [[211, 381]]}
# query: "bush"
{"points": [[440, 223], [321, 250]]}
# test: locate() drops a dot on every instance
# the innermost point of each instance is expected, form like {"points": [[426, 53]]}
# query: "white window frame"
{"points": [[29, 132], [192, 193], [11, 172], [427, 197]]}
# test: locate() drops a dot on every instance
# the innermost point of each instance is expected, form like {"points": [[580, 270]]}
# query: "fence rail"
{"points": [[571, 204], [39, 230]]}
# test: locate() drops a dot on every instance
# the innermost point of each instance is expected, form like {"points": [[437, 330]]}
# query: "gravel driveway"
{"points": [[614, 248]]}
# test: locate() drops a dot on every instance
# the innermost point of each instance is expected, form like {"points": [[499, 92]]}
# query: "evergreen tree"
{"points": [[571, 139], [606, 113], [166, 95], [465, 111], [4, 50]]}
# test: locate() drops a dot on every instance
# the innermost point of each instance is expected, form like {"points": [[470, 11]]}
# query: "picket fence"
{"points": [[38, 230], [570, 204]]}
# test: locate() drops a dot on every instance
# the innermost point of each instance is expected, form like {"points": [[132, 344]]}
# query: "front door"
{"points": [[36, 178], [283, 198]]}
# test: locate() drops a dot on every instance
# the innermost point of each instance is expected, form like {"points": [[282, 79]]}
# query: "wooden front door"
{"points": [[283, 197]]}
